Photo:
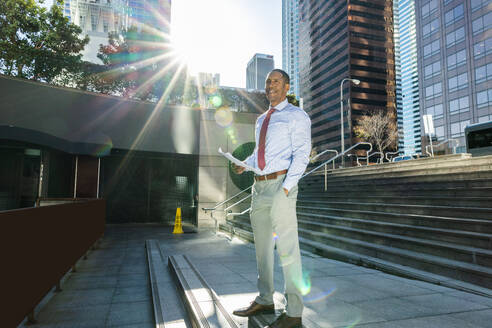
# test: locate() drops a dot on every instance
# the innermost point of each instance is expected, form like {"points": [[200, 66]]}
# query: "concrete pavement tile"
{"points": [[487, 301], [433, 322], [251, 277], [133, 280], [79, 298], [80, 282], [138, 325], [340, 271], [130, 313], [333, 313], [234, 288], [481, 318], [225, 278], [87, 316], [441, 303], [394, 308], [131, 294], [390, 286]]}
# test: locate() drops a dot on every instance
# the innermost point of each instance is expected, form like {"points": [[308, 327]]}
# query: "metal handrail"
{"points": [[323, 152], [380, 158], [225, 201], [304, 175], [356, 158], [442, 143], [390, 153]]}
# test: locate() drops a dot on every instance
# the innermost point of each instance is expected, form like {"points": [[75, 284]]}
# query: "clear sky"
{"points": [[221, 36]]}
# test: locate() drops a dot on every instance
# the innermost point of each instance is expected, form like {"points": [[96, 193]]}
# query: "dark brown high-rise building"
{"points": [[345, 39]]}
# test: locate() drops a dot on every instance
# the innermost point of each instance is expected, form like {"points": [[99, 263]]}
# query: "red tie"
{"points": [[261, 147]]}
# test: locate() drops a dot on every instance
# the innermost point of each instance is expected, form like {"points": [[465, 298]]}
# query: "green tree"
{"points": [[38, 44], [141, 65], [291, 98]]}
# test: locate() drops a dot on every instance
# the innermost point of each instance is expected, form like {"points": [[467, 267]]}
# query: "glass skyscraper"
{"points": [[290, 43], [454, 40], [408, 84]]}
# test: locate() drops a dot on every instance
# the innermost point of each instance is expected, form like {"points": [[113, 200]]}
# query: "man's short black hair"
{"points": [[284, 74]]}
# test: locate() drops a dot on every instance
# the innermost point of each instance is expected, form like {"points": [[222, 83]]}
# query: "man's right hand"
{"points": [[238, 169]]}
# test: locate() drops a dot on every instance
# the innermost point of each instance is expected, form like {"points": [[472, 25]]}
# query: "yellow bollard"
{"points": [[178, 227]]}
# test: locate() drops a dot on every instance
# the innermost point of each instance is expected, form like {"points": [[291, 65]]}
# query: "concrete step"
{"points": [[358, 258], [420, 164], [203, 304], [422, 181], [432, 210], [428, 190], [462, 253], [467, 272], [167, 306], [393, 199], [465, 238], [439, 222]]}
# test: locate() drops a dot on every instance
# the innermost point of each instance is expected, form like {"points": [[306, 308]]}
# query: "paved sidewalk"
{"points": [[111, 288]]}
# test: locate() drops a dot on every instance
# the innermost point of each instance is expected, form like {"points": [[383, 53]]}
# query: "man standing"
{"points": [[283, 145]]}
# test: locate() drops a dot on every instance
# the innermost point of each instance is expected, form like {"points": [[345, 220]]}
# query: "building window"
{"points": [[457, 59], [446, 2], [458, 82], [485, 118], [454, 15], [429, 8], [484, 98], [439, 130], [433, 91], [94, 22], [459, 105], [455, 37], [482, 48], [431, 48], [482, 24], [436, 111], [430, 28], [483, 73], [458, 128], [477, 4], [433, 69]]}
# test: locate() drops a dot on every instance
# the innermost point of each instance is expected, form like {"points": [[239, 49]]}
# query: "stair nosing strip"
{"points": [[212, 293], [158, 310], [195, 308]]}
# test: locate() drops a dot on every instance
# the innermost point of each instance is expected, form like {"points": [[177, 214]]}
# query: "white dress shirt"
{"points": [[287, 143]]}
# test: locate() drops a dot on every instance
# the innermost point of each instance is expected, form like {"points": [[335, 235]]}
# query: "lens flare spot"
{"points": [[275, 237], [223, 117], [216, 100], [304, 285]]}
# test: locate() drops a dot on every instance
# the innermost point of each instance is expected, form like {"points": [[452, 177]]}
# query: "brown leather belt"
{"points": [[270, 176]]}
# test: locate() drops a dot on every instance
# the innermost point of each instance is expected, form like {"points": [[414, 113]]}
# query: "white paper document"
{"points": [[239, 163]]}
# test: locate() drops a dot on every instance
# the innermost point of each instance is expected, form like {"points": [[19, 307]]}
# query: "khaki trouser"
{"points": [[274, 220]]}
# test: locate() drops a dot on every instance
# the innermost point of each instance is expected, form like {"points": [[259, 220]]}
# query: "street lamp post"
{"points": [[356, 82]]}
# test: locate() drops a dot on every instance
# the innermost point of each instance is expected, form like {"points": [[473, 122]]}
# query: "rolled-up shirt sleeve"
{"points": [[301, 149]]}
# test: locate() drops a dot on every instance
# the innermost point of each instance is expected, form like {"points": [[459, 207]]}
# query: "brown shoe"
{"points": [[284, 321], [254, 309]]}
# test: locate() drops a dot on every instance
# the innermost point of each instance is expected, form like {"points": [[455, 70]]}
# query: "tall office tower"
{"points": [[399, 98], [208, 79], [409, 112], [150, 13], [454, 40], [347, 39], [97, 18], [256, 71], [290, 43]]}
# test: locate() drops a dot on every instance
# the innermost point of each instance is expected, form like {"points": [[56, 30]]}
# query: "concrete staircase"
{"points": [[429, 219]]}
